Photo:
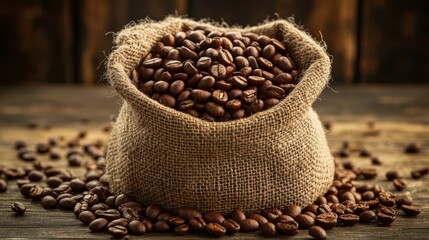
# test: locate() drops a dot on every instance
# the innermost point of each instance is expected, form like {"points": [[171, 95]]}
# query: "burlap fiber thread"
{"points": [[272, 159]]}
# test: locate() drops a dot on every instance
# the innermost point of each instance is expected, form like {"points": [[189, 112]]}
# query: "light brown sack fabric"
{"points": [[271, 159]]}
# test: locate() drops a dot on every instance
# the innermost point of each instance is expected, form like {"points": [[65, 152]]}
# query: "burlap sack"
{"points": [[272, 159]]}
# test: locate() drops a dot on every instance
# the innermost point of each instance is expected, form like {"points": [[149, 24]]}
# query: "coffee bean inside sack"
{"points": [[216, 76]]}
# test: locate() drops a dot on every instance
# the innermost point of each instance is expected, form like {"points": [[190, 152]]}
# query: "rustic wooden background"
{"points": [[374, 41]]}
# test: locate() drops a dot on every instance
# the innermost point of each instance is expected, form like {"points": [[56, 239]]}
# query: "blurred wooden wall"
{"points": [[383, 41]]}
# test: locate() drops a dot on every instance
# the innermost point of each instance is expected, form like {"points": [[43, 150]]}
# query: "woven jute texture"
{"points": [[271, 159]]}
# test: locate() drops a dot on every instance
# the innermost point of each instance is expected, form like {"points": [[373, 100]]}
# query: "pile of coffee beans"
{"points": [[346, 203], [216, 76]]}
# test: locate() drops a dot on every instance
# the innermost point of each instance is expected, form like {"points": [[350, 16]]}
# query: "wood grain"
{"points": [[335, 22], [349, 109], [394, 41]]}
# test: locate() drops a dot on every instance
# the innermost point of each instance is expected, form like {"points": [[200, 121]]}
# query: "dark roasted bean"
{"points": [[18, 208], [215, 229]]}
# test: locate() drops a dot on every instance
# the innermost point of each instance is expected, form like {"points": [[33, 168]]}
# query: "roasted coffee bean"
{"points": [[404, 200], [304, 221], [137, 227], [271, 102], [288, 228], [237, 215], [249, 96], [35, 175], [110, 214], [412, 148], [215, 229], [376, 161], [239, 81], [118, 231], [49, 202], [231, 226], [214, 217], [182, 229], [167, 100], [214, 109], [80, 207], [131, 214], [206, 83], [77, 185], [249, 225], [256, 106], [367, 173], [91, 199], [349, 219], [99, 206], [386, 199], [27, 155], [3, 186], [87, 217], [317, 233], [392, 175], [218, 71], [225, 57], [152, 212], [197, 223], [385, 219], [386, 210], [269, 229], [18, 208], [326, 220], [162, 227], [98, 225], [367, 216], [292, 210], [201, 95], [203, 63], [120, 221], [400, 184], [259, 218], [220, 96], [284, 218], [67, 203], [275, 92], [36, 192], [410, 210]]}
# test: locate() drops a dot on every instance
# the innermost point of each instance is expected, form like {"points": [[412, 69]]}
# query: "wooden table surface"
{"points": [[400, 115]]}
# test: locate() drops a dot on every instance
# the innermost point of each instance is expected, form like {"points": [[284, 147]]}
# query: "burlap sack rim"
{"points": [[126, 89]]}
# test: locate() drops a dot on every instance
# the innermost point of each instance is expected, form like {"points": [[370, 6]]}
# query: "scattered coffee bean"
{"points": [[288, 228], [317, 233], [18, 208], [367, 216], [400, 183], [182, 229], [86, 217], [137, 227], [385, 219], [215, 229], [118, 231], [349, 219], [161, 227], [304, 221], [326, 220], [248, 225], [412, 148], [269, 229], [410, 210], [404, 200], [231, 226], [49, 202]]}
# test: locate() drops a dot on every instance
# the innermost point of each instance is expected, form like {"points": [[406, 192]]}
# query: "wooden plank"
{"points": [[333, 21], [96, 18], [35, 41], [232, 12], [349, 110], [394, 41]]}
